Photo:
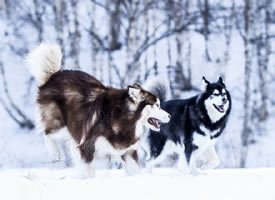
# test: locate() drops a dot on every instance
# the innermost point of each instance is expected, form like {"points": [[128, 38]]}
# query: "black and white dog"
{"points": [[194, 128]]}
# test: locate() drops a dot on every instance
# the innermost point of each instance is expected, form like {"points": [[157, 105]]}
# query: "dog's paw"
{"points": [[210, 165], [131, 167], [131, 171], [184, 170], [197, 172], [148, 169]]}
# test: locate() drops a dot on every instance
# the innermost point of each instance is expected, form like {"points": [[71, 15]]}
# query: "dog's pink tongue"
{"points": [[221, 107], [156, 123]]}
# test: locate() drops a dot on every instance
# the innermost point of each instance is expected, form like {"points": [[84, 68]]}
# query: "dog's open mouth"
{"points": [[155, 122], [220, 108]]}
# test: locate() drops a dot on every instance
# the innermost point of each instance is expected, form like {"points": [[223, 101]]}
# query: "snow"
{"points": [[163, 183]]}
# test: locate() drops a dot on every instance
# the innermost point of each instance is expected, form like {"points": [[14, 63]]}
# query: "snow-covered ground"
{"points": [[164, 183]]}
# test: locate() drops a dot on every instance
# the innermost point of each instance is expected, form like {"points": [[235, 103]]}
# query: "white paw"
{"points": [[131, 167], [184, 170], [133, 170], [210, 165], [197, 172], [148, 170]]}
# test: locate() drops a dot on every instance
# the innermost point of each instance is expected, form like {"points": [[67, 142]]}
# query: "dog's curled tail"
{"points": [[158, 87], [44, 61]]}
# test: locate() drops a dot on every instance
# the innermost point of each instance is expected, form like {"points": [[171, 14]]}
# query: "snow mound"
{"points": [[221, 184]]}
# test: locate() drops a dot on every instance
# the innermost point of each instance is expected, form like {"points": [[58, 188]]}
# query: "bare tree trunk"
{"points": [[133, 68], [155, 46], [205, 14], [38, 19], [94, 45], [76, 35], [146, 35], [183, 63], [3, 5], [246, 132], [263, 50], [113, 8], [228, 26], [59, 11], [263, 62], [179, 76], [187, 73]]}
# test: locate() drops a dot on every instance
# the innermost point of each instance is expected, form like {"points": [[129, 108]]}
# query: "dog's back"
{"points": [[66, 97]]}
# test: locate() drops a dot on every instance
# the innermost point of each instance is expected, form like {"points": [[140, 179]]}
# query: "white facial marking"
{"points": [[158, 103], [216, 92], [212, 111], [223, 91], [156, 113]]}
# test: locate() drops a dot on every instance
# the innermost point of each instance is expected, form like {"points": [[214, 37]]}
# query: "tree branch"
{"points": [[26, 121]]}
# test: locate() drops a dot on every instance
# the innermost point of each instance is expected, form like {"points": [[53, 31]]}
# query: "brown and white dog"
{"points": [[96, 120]]}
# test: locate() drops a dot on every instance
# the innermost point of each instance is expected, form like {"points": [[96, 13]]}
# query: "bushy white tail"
{"points": [[159, 87], [43, 61]]}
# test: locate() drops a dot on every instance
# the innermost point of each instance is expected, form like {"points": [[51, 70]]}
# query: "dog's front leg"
{"points": [[131, 162], [211, 158], [83, 160], [182, 164], [192, 164]]}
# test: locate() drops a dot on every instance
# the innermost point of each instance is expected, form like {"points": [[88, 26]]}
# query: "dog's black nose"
{"points": [[224, 100]]}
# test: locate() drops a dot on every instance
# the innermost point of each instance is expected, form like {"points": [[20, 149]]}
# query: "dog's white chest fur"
{"points": [[204, 141], [103, 147]]}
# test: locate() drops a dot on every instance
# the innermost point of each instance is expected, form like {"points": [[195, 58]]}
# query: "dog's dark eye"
{"points": [[216, 94]]}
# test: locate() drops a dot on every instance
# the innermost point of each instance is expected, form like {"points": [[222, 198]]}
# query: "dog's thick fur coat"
{"points": [[195, 125], [99, 120]]}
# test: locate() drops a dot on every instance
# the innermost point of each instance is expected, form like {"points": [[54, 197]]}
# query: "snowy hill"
{"points": [[222, 184]]}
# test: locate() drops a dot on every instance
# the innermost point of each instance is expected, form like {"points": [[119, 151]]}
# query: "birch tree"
{"points": [[247, 37]]}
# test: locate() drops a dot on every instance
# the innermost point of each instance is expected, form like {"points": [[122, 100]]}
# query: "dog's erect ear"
{"points": [[137, 86], [135, 93], [204, 84], [220, 80]]}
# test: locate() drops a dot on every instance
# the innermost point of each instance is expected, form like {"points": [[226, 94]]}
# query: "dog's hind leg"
{"points": [[211, 158], [85, 168], [55, 143], [169, 148], [53, 147]]}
